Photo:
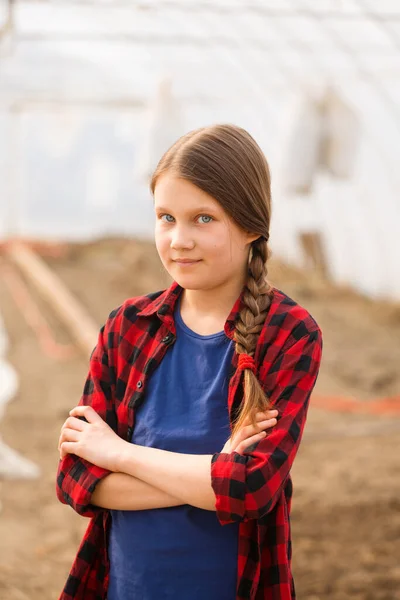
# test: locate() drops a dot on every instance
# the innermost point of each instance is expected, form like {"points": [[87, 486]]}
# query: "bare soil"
{"points": [[346, 506]]}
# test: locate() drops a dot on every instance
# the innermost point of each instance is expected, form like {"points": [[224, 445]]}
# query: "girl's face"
{"points": [[192, 225]]}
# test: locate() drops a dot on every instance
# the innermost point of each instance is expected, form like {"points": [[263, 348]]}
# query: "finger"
{"points": [[86, 411], [272, 412], [262, 415], [60, 440], [251, 429], [69, 435], [251, 440], [241, 435], [247, 430], [268, 414], [68, 448], [267, 423], [74, 423], [66, 431], [258, 416]]}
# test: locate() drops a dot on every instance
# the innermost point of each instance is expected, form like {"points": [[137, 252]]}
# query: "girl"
{"points": [[174, 375]]}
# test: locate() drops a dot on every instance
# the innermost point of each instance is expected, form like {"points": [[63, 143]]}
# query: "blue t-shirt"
{"points": [[179, 552]]}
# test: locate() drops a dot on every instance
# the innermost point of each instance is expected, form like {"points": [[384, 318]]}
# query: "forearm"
{"points": [[183, 476], [119, 491]]}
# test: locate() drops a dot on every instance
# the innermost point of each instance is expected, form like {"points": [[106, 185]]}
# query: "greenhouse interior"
{"points": [[92, 94]]}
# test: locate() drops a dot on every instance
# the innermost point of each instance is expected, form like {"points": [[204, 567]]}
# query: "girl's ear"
{"points": [[252, 237]]}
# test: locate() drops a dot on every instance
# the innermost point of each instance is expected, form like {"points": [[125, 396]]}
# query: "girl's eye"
{"points": [[201, 217]]}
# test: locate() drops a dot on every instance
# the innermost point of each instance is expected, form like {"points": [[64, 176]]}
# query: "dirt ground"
{"points": [[346, 506]]}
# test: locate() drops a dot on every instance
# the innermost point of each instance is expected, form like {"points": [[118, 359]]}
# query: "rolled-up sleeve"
{"points": [[76, 477], [247, 486]]}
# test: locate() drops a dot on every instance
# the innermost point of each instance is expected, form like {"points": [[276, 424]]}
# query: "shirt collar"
{"points": [[164, 306]]}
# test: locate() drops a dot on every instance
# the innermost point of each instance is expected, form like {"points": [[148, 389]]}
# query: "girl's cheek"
{"points": [[162, 244]]}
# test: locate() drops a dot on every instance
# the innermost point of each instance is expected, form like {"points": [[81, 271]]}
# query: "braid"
{"points": [[257, 300]]}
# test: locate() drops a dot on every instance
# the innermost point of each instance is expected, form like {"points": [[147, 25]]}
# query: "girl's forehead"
{"points": [[172, 193]]}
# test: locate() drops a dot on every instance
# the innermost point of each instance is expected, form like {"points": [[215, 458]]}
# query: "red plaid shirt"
{"points": [[254, 488]]}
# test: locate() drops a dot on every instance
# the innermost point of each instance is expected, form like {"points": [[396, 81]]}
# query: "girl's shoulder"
{"points": [[126, 313], [145, 305], [288, 321]]}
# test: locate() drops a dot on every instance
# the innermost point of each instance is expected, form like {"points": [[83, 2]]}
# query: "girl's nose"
{"points": [[181, 240]]}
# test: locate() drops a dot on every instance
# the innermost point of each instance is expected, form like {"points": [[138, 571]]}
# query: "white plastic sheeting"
{"points": [[162, 126], [323, 133], [82, 120], [12, 464]]}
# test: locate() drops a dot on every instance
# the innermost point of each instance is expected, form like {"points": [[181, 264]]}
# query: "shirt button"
{"points": [[129, 432], [166, 338], [139, 384]]}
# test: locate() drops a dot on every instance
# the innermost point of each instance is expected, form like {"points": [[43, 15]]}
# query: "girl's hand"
{"points": [[249, 434], [92, 439]]}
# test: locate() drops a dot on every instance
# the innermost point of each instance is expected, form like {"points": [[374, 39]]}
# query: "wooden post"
{"points": [[81, 325]]}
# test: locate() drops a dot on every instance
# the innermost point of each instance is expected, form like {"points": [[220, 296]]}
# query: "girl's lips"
{"points": [[187, 263]]}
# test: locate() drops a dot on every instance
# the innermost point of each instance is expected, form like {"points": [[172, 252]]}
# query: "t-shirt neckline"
{"points": [[178, 317]]}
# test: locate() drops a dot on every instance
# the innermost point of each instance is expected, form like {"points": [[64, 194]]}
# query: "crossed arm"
{"points": [[237, 487], [153, 478], [120, 491], [142, 477]]}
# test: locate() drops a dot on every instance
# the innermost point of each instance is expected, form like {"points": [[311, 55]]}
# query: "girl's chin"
{"points": [[190, 280]]}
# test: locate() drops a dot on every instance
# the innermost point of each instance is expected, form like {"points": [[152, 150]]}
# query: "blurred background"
{"points": [[91, 94]]}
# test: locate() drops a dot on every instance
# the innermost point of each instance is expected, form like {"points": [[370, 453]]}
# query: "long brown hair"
{"points": [[225, 161]]}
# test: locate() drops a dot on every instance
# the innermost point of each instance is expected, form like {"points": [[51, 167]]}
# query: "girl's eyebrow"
{"points": [[195, 210]]}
